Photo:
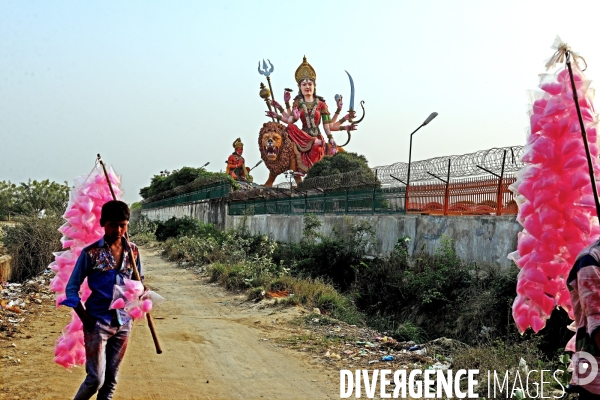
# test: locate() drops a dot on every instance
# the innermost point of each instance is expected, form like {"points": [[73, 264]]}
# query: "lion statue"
{"points": [[277, 151], [281, 154]]}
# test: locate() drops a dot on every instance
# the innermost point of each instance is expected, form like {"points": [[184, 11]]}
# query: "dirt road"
{"points": [[213, 343]]}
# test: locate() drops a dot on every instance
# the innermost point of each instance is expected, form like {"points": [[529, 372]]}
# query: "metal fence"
{"points": [[375, 201], [475, 183], [467, 196], [213, 191], [194, 186]]}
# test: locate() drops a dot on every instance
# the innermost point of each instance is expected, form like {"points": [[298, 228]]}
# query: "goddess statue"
{"points": [[311, 110]]}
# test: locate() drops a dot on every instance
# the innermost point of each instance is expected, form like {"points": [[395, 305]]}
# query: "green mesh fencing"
{"points": [[348, 202], [367, 201], [206, 192]]}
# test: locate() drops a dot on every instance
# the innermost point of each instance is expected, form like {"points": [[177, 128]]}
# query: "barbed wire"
{"points": [[461, 166], [352, 179], [465, 165]]}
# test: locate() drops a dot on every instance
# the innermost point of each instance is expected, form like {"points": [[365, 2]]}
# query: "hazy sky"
{"points": [[164, 84]]}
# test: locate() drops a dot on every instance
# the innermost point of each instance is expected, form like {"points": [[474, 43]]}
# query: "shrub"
{"points": [[142, 225], [142, 239], [228, 248], [186, 226], [30, 243], [339, 258], [261, 276], [409, 331], [513, 357], [192, 250], [310, 230], [243, 264], [341, 163], [427, 292]]}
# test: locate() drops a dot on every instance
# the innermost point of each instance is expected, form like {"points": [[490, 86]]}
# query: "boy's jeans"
{"points": [[104, 350]]}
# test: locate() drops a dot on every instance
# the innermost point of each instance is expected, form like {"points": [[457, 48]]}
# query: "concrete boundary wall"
{"points": [[207, 211], [482, 239]]}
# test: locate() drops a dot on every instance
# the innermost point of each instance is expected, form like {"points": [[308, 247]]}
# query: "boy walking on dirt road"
{"points": [[105, 263]]}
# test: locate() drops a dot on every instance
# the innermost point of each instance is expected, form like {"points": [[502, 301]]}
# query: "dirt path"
{"points": [[214, 348]]}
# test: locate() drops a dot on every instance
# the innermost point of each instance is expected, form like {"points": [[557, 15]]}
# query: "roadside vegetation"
{"points": [[410, 297], [34, 209], [32, 198], [344, 162]]}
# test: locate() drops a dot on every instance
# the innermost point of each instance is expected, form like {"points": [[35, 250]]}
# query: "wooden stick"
{"points": [[584, 135], [136, 273]]}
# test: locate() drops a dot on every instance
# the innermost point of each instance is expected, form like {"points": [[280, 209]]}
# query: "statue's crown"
{"points": [[238, 143], [305, 71]]}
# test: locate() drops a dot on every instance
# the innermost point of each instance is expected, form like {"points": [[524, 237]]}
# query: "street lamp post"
{"points": [[428, 120]]}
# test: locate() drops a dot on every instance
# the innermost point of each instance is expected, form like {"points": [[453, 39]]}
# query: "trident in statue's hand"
{"points": [[266, 71]]}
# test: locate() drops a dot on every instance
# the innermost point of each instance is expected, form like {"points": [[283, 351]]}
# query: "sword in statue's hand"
{"points": [[257, 164], [351, 112]]}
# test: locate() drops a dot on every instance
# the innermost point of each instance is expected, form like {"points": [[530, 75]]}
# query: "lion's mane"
{"points": [[285, 152]]}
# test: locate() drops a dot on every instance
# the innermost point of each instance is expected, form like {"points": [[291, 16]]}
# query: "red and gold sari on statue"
{"points": [[310, 145]]}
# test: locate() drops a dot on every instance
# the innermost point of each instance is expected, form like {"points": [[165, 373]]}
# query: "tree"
{"points": [[8, 196], [183, 176], [34, 197], [342, 163]]}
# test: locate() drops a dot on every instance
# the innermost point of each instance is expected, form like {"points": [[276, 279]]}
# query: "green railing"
{"points": [[214, 191], [348, 202]]}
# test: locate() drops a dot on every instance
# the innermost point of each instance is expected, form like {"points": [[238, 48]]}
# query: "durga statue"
{"points": [[287, 147]]}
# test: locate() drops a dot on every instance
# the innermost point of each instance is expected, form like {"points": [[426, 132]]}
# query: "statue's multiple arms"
{"points": [[340, 103], [336, 125], [288, 115]]}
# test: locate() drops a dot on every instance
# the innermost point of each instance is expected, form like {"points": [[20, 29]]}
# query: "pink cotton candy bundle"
{"points": [[118, 303], [554, 195], [69, 349], [138, 307], [146, 305], [82, 227], [132, 298], [136, 312]]}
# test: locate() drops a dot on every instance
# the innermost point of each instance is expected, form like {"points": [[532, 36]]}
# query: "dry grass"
{"points": [[304, 291], [31, 243]]}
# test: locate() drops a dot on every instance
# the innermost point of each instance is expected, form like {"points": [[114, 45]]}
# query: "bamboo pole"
{"points": [[583, 134]]}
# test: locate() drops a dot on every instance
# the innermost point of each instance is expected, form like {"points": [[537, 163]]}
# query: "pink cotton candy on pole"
{"points": [[136, 313], [554, 196], [147, 305], [118, 303], [81, 229]]}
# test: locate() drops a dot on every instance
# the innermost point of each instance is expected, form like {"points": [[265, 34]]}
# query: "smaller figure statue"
{"points": [[236, 165]]}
